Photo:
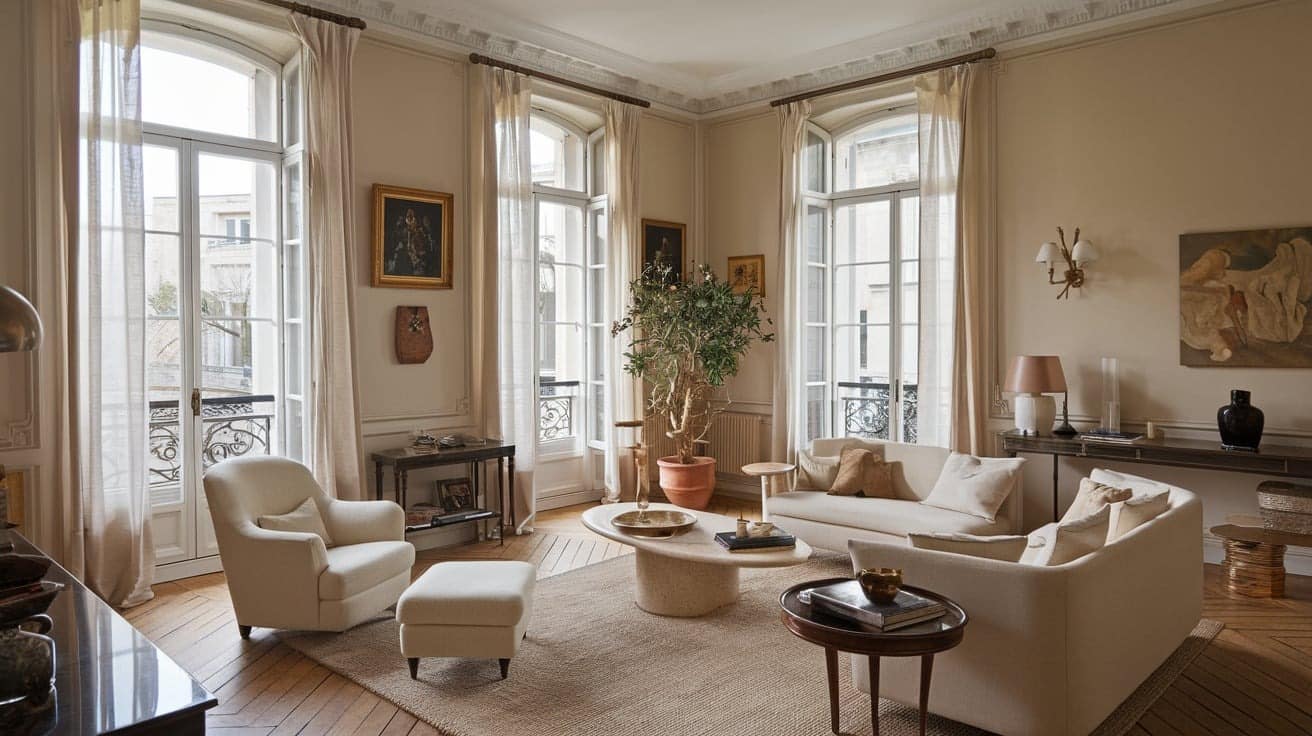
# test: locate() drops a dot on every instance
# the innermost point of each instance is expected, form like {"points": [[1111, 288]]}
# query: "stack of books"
{"points": [[845, 600], [775, 540], [1106, 435]]}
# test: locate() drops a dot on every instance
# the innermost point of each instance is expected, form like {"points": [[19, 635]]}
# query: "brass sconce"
{"points": [[1076, 259]]}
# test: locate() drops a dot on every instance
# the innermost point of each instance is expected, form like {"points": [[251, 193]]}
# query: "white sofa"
{"points": [[292, 580], [830, 521], [1053, 650]]}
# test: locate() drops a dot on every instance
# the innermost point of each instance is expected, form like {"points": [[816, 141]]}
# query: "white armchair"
{"points": [[292, 580]]}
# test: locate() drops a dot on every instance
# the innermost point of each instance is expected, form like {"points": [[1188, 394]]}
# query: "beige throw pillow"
{"points": [[1092, 497], [816, 472], [974, 485], [1136, 512], [861, 472], [303, 518], [1069, 540], [1005, 547]]}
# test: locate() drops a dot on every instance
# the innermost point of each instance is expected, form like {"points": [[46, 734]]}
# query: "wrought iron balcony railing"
{"points": [[867, 405], [556, 409], [231, 426]]}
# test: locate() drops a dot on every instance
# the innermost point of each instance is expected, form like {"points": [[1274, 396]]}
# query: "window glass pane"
{"points": [[813, 162], [597, 252], [240, 191], [815, 353], [598, 411], [861, 287], [814, 232], [598, 164], [862, 360], [865, 410], [295, 348], [815, 413], [295, 428], [910, 226], [160, 187], [560, 233], [162, 286], [293, 294], [292, 211], [163, 359], [292, 106], [881, 153], [189, 84], [556, 155], [238, 357], [815, 294], [597, 295], [861, 232], [597, 369], [910, 295]]}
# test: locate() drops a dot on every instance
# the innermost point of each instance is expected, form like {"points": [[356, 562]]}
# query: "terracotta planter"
{"points": [[689, 486]]}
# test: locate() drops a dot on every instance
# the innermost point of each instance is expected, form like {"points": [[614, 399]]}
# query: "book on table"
{"points": [[846, 600], [775, 540], [1120, 438]]}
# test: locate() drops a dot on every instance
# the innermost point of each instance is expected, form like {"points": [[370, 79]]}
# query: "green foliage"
{"points": [[688, 338]]}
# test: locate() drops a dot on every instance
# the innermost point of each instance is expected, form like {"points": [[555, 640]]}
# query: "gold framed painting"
{"points": [[747, 272], [662, 243], [413, 245]]}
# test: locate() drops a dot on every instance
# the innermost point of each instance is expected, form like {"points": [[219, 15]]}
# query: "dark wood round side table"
{"points": [[835, 634]]}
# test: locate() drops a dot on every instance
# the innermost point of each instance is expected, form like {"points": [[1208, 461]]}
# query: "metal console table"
{"points": [[402, 460]]}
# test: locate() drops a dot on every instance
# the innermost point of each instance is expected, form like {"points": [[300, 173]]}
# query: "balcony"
{"points": [[231, 426], [556, 409], [866, 407]]}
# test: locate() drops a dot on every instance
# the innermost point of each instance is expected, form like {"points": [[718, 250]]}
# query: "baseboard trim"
{"points": [[560, 497], [188, 569]]}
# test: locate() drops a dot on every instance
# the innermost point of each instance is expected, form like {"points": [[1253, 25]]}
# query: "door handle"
{"points": [[195, 402]]}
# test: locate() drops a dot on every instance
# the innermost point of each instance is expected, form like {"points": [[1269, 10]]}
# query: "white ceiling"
{"points": [[703, 55]]}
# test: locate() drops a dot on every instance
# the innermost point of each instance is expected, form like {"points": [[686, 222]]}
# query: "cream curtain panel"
{"points": [[505, 277], [789, 413], [109, 290], [953, 120], [334, 400], [623, 244]]}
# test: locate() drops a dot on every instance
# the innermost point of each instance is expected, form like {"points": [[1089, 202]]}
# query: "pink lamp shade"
{"points": [[1035, 374]]}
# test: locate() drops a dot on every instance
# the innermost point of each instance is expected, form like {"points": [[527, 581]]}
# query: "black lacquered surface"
{"points": [[109, 678]]}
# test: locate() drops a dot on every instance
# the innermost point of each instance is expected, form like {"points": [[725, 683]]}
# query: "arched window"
{"points": [[225, 293], [861, 237]]}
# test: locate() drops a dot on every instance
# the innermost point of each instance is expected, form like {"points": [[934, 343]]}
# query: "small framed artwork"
{"points": [[456, 495], [413, 245], [662, 243], [747, 272]]}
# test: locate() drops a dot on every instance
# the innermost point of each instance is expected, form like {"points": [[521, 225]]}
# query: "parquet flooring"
{"points": [[1255, 678]]}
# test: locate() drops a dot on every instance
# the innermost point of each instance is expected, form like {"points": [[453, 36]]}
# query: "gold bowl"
{"points": [[654, 522], [880, 584]]}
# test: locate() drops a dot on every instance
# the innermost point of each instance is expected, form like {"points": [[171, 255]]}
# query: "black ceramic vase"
{"points": [[1240, 422]]}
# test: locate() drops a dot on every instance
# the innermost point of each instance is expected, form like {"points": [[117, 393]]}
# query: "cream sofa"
{"points": [[292, 580], [830, 521], [1053, 650]]}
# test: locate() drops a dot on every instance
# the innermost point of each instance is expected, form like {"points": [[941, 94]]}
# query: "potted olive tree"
{"points": [[687, 338]]}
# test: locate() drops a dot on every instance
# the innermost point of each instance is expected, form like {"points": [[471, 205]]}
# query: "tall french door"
{"points": [[224, 323]]}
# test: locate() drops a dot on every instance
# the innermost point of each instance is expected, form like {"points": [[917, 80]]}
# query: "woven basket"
{"points": [[1285, 507]]}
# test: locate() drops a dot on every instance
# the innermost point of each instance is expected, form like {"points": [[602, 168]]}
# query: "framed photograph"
{"points": [[662, 242], [1245, 298], [456, 495], [413, 246], [747, 272]]}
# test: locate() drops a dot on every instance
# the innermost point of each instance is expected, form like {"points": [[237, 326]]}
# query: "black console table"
{"points": [[404, 459], [1290, 462], [109, 678]]}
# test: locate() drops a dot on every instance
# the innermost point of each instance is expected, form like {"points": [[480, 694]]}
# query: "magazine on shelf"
{"points": [[1120, 438], [846, 600]]}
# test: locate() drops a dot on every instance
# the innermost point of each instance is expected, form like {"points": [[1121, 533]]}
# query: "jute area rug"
{"points": [[596, 665]]}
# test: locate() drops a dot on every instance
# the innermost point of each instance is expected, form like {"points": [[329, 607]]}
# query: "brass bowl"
{"points": [[654, 522], [880, 584]]}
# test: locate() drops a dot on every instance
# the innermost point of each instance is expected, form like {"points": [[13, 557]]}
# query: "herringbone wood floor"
{"points": [[1256, 678]]}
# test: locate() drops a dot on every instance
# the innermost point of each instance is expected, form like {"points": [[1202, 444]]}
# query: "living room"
{"points": [[339, 338]]}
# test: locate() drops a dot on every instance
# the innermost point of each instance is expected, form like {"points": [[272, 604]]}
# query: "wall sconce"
{"points": [[1076, 259]]}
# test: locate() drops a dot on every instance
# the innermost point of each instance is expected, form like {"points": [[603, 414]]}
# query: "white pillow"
{"points": [[816, 473], [974, 485], [1005, 547], [1137, 511], [1067, 541], [1139, 486], [303, 518]]}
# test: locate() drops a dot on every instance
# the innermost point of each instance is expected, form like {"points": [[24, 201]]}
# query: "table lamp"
{"points": [[1030, 377]]}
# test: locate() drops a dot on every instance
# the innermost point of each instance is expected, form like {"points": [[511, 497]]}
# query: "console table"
{"points": [[1291, 462], [109, 678], [404, 459]]}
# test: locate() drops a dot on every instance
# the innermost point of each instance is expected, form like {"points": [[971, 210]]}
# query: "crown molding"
{"points": [[460, 28]]}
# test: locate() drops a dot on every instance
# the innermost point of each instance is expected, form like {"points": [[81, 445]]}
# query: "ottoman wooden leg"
{"points": [[505, 668], [414, 667]]}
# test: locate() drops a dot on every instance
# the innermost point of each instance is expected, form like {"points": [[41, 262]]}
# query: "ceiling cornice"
{"points": [[593, 64]]}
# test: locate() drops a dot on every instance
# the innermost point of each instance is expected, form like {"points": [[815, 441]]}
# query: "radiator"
{"points": [[735, 441]]}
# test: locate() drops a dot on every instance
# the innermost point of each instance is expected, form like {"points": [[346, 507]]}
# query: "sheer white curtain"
{"points": [[623, 241], [330, 258], [109, 287], [505, 276], [952, 397], [789, 414]]}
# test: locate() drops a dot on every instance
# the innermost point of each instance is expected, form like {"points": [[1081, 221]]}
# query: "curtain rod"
{"points": [[988, 53], [489, 61], [313, 12]]}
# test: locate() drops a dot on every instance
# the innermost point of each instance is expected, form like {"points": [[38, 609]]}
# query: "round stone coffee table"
{"points": [[689, 574]]}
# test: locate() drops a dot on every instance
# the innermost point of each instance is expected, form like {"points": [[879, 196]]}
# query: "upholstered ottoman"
{"points": [[466, 609]]}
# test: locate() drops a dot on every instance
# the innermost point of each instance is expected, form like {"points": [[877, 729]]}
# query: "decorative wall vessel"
{"points": [[414, 335]]}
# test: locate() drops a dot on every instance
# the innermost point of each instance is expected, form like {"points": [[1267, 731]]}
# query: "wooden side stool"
{"points": [[767, 472], [1255, 559]]}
